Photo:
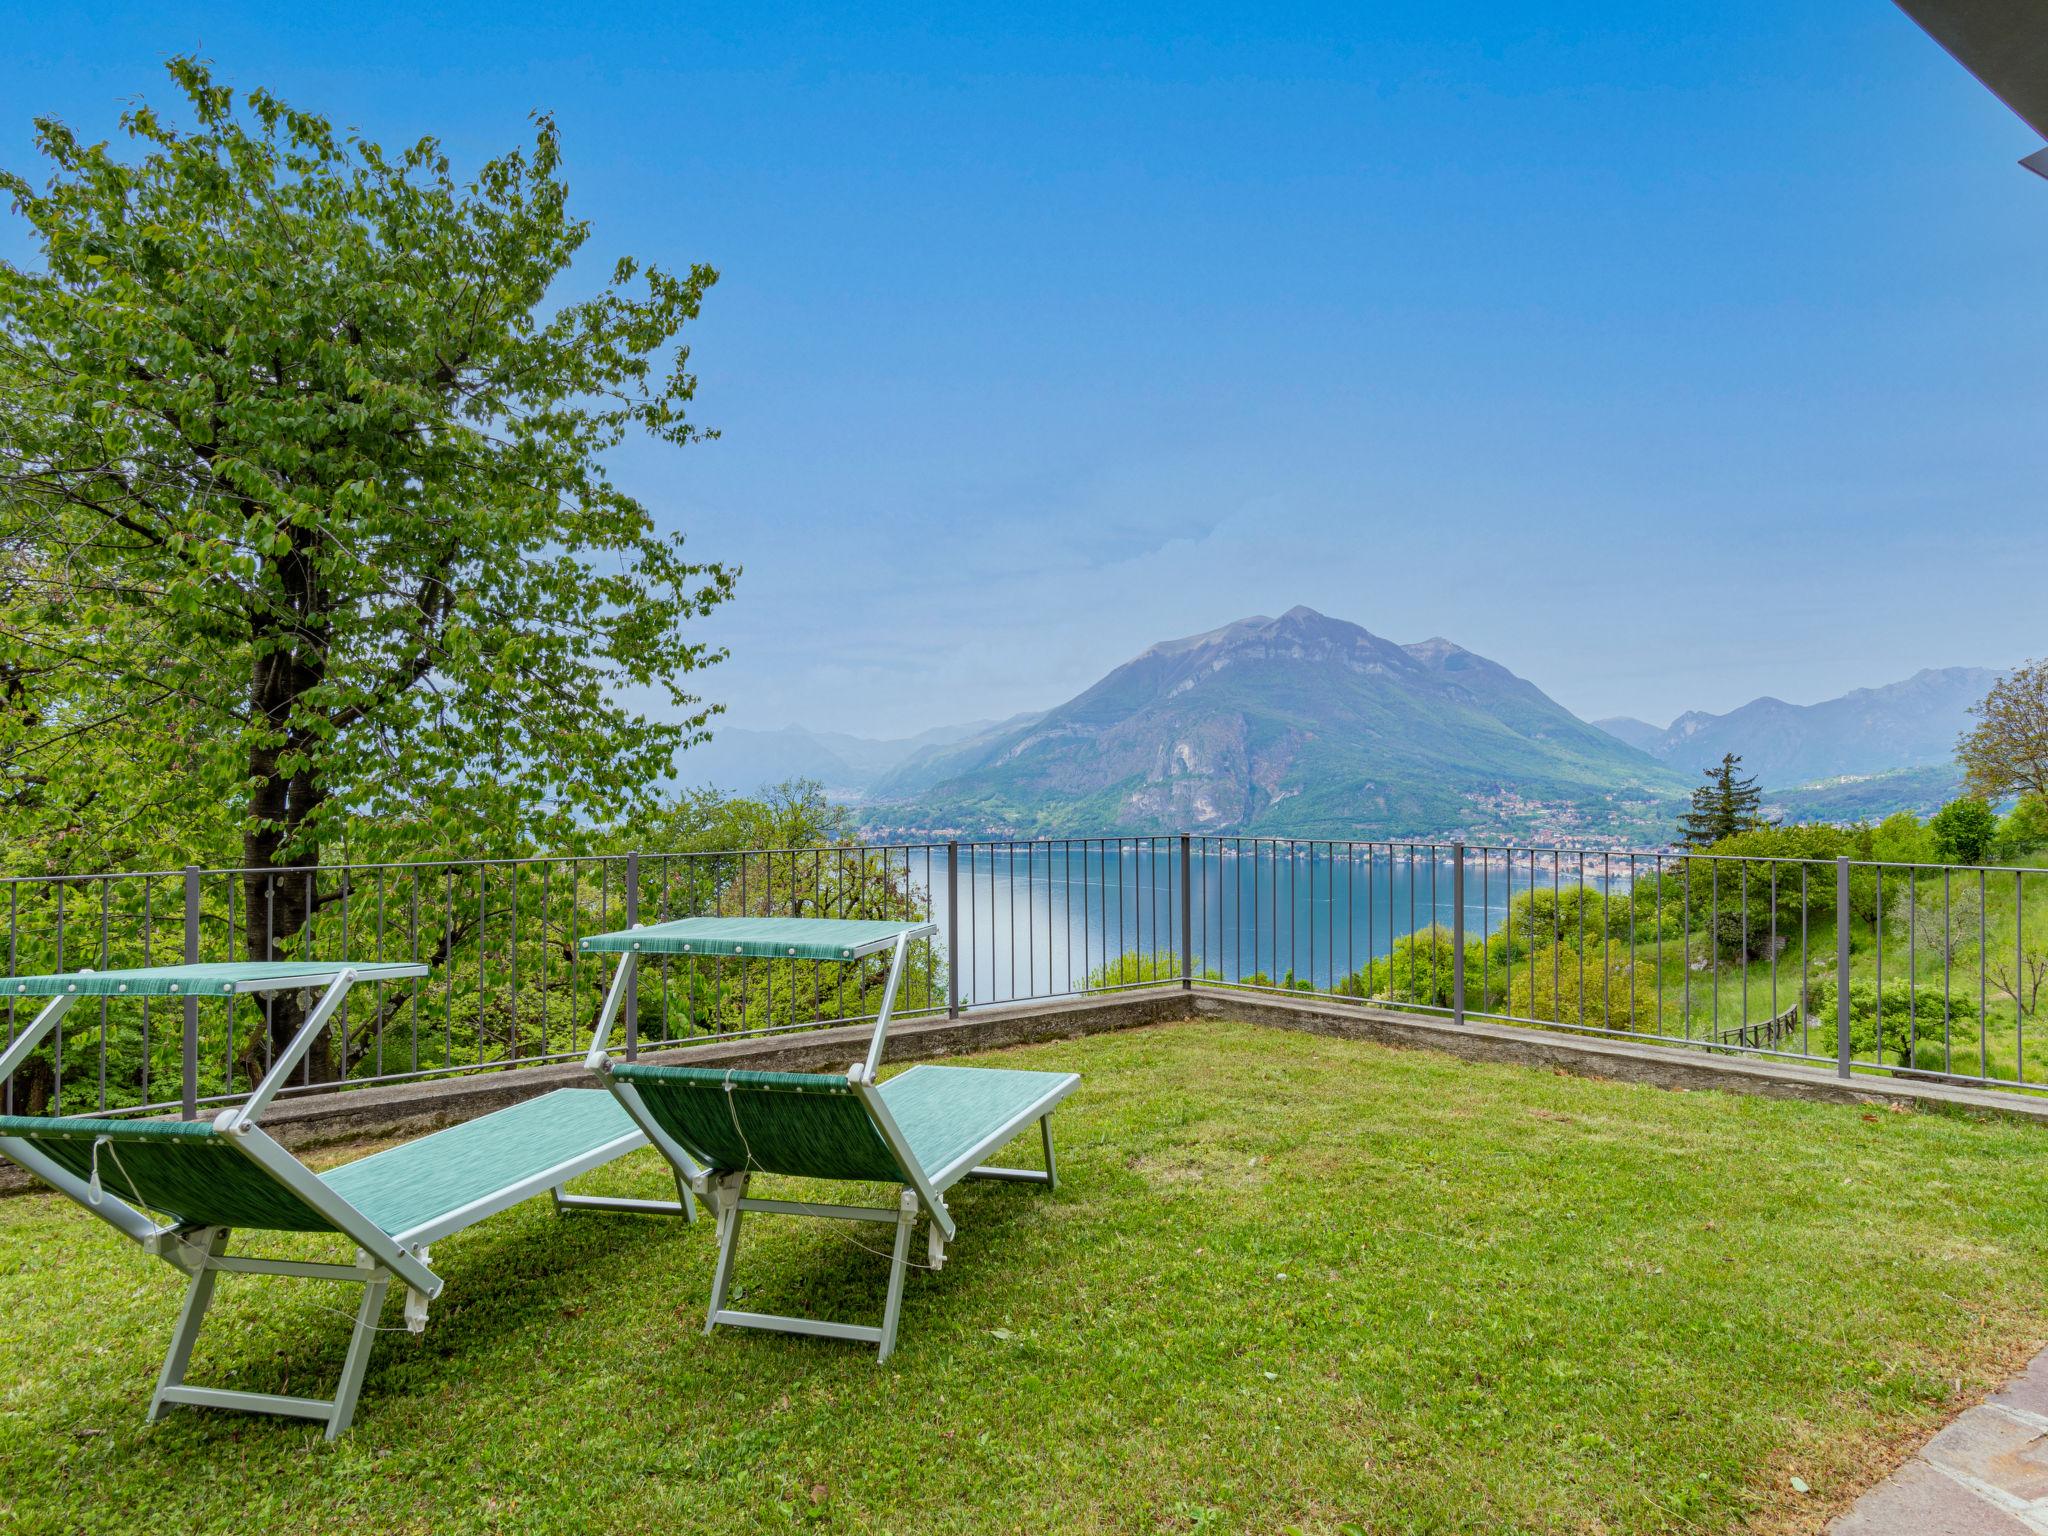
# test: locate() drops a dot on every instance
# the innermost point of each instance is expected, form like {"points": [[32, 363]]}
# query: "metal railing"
{"points": [[1946, 965]]}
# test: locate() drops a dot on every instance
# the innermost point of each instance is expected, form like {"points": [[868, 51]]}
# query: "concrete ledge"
{"points": [[413, 1109], [1605, 1056]]}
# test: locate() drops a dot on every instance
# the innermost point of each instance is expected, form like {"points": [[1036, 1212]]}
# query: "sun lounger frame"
{"points": [[199, 1249]]}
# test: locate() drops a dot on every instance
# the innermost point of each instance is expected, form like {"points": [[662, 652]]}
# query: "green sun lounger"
{"points": [[924, 1130], [178, 1189]]}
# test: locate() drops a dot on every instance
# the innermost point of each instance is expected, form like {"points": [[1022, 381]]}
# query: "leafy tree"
{"points": [[306, 520], [1723, 806], [1418, 969], [2023, 830], [2006, 751], [1758, 890], [791, 815], [1937, 915], [1601, 986], [1904, 1029], [1964, 831], [1901, 839]]}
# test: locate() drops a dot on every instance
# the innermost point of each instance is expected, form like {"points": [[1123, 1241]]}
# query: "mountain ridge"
{"points": [[1303, 724], [1865, 732]]}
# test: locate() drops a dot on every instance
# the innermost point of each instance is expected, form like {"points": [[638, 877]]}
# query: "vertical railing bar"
{"points": [[1458, 931], [380, 985], [148, 959], [448, 988], [189, 1061], [106, 913], [412, 947], [1842, 970]]}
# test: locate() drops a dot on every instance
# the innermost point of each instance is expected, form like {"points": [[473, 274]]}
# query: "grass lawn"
{"points": [[1286, 1282]]}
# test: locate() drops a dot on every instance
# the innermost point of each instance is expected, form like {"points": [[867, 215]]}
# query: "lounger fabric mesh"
{"points": [[407, 1186], [816, 1127], [772, 1122], [946, 1111], [755, 938], [172, 1168], [202, 980], [186, 1170]]}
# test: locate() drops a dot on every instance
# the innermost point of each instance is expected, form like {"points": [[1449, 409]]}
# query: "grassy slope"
{"points": [[1286, 1281], [1699, 1004]]}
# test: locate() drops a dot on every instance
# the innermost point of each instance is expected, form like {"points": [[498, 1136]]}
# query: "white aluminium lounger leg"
{"points": [[360, 1343], [899, 1265], [734, 1203], [731, 1191], [205, 1256], [203, 1247]]}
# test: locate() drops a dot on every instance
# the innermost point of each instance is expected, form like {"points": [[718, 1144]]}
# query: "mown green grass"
{"points": [[1286, 1282]]}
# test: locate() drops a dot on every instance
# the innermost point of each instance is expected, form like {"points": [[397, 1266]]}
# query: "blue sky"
{"points": [[1668, 354]]}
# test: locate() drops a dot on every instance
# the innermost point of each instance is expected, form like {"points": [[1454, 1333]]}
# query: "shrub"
{"points": [[1135, 968], [1910, 1017], [1963, 831], [1900, 839], [1417, 970], [2022, 831], [1601, 987]]}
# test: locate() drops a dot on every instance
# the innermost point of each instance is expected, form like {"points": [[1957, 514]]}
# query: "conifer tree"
{"points": [[1723, 806]]}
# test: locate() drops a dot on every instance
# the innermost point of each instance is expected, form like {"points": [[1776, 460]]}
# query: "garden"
{"points": [[1286, 1283]]}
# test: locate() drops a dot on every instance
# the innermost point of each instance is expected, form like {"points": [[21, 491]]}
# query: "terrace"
{"points": [[1415, 1289]]}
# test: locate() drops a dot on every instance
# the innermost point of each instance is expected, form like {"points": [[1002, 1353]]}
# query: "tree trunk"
{"points": [[280, 849]]}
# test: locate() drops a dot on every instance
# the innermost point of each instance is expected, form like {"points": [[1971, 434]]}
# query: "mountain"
{"points": [[1302, 724], [1640, 734], [1869, 732], [941, 761], [743, 761]]}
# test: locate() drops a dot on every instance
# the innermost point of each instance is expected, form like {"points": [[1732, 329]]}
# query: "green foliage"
{"points": [[1803, 841], [508, 982], [1601, 986], [1964, 831], [2022, 831], [2006, 751], [1723, 806], [1418, 970], [1936, 914], [1905, 1031], [792, 814], [1901, 839], [1136, 968], [308, 529]]}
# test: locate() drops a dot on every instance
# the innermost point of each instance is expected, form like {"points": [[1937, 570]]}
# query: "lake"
{"points": [[1037, 919]]}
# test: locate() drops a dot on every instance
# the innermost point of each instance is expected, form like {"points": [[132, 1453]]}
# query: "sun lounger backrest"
{"points": [[174, 1168], [793, 1123]]}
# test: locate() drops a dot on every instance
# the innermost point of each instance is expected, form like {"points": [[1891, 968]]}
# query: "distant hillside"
{"points": [[1302, 724], [940, 761], [1867, 797], [1640, 734], [1871, 731]]}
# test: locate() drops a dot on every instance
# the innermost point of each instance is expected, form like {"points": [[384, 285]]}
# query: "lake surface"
{"points": [[1036, 921]]}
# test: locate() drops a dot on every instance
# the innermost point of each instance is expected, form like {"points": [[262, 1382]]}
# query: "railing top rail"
{"points": [[1951, 869], [81, 879]]}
